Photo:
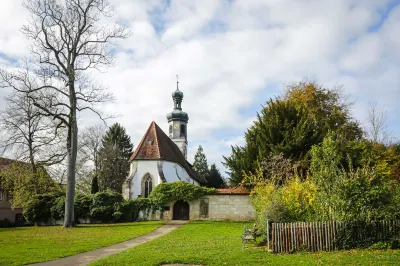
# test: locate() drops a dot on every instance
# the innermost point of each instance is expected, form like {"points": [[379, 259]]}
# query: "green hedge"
{"points": [[100, 207]]}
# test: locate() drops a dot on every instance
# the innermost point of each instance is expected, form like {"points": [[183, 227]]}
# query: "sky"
{"points": [[232, 56]]}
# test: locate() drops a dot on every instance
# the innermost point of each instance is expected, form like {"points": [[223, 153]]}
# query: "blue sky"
{"points": [[232, 56]]}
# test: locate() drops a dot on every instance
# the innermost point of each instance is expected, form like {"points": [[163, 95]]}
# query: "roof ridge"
{"points": [[156, 138]]}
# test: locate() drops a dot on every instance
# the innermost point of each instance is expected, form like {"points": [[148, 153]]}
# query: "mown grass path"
{"points": [[218, 243], [24, 245]]}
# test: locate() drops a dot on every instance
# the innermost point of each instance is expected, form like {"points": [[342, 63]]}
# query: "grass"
{"points": [[23, 245], [218, 243]]}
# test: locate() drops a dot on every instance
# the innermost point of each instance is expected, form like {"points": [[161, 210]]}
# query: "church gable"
{"points": [[156, 145], [148, 146]]}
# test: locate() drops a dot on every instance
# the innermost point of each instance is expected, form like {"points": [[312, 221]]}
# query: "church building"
{"points": [[160, 158]]}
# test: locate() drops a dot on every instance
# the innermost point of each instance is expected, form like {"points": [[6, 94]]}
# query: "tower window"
{"points": [[147, 186], [170, 129], [183, 131]]}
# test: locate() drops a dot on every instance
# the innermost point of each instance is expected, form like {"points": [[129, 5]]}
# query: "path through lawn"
{"points": [[23, 245], [218, 243]]}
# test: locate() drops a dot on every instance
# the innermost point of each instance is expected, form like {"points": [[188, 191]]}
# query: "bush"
{"points": [[5, 223], [291, 202], [381, 245], [104, 205], [176, 191], [58, 208], [83, 203], [42, 209], [129, 209]]}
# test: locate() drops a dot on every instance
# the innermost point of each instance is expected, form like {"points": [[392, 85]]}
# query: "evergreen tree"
{"points": [[116, 135], [289, 126], [214, 178], [200, 164], [95, 185], [281, 128], [114, 155]]}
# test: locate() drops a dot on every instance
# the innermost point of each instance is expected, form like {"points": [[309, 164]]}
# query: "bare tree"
{"points": [[91, 143], [88, 156], [32, 136], [67, 39], [377, 129]]}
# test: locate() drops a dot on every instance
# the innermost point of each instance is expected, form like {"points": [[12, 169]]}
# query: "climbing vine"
{"points": [[180, 190]]}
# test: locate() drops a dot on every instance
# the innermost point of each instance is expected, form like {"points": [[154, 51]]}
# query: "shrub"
{"points": [[40, 209], [130, 208], [103, 206], [381, 245], [5, 223], [176, 191], [58, 208], [83, 204]]}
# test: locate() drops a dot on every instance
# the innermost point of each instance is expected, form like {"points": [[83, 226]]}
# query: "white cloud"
{"points": [[231, 54]]}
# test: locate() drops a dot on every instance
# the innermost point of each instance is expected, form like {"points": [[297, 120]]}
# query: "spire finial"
{"points": [[177, 82]]}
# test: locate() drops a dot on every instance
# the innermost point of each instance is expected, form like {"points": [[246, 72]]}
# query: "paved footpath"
{"points": [[90, 256]]}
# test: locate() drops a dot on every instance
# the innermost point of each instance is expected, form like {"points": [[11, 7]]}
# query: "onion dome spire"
{"points": [[177, 113]]}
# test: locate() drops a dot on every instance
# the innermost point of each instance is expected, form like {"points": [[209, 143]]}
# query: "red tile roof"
{"points": [[156, 145], [5, 162], [240, 190]]}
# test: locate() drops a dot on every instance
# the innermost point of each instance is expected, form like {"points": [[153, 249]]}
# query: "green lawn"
{"points": [[23, 245], [218, 243]]}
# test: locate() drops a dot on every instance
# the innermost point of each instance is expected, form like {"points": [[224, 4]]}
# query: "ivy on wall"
{"points": [[176, 191]]}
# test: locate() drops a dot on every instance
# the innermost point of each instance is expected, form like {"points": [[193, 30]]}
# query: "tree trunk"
{"points": [[72, 153]]}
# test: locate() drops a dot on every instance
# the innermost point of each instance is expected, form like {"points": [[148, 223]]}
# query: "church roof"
{"points": [[4, 162], [156, 145]]}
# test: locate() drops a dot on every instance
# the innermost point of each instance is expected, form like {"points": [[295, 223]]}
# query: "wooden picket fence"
{"points": [[326, 236]]}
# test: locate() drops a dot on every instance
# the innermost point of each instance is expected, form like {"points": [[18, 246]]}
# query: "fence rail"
{"points": [[327, 236]]}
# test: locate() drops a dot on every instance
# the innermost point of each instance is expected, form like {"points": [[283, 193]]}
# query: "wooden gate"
{"points": [[181, 210]]}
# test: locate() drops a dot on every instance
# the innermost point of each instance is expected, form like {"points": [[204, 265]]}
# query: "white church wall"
{"points": [[175, 172], [144, 167], [172, 172]]}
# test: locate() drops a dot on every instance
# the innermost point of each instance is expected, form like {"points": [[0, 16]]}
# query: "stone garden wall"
{"points": [[218, 207]]}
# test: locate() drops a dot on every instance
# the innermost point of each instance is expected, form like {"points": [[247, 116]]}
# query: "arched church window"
{"points": [[147, 186], [183, 131], [170, 129]]}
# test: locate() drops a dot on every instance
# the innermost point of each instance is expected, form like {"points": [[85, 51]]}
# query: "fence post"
{"points": [[269, 248]]}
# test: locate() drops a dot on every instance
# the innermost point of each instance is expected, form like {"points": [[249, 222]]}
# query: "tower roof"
{"points": [[156, 145], [177, 113], [177, 94]]}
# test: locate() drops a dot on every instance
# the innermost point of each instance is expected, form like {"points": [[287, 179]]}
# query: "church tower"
{"points": [[177, 121]]}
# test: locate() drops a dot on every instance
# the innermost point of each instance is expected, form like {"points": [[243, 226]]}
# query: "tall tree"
{"points": [[290, 125], [114, 155], [328, 108], [67, 39], [280, 128], [200, 164], [214, 178], [116, 135]]}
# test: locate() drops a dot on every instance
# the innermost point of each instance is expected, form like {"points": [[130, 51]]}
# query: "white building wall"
{"points": [[172, 172], [143, 168], [175, 172]]}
